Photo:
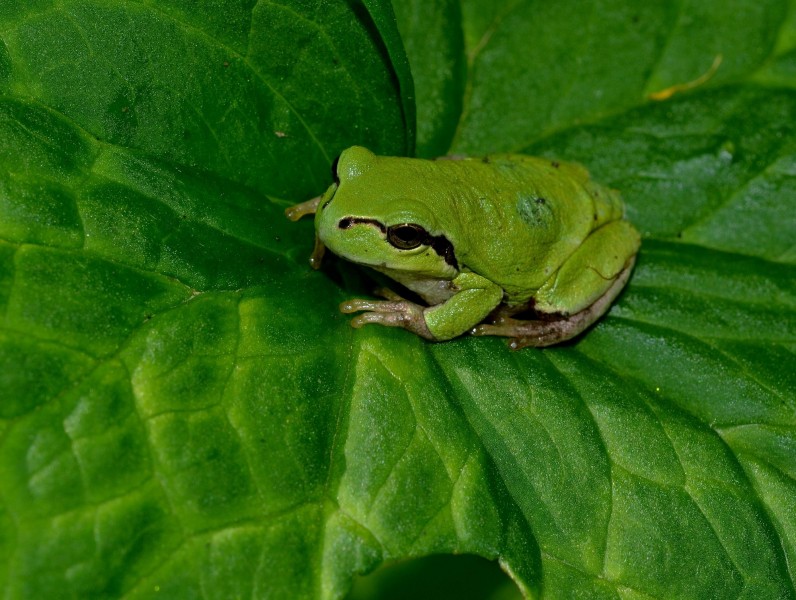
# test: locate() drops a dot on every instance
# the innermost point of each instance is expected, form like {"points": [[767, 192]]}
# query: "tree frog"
{"points": [[507, 244]]}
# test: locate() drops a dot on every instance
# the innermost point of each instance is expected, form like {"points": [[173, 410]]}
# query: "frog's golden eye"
{"points": [[406, 236]]}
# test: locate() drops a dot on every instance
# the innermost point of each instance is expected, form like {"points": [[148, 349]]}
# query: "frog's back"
{"points": [[511, 218], [567, 183], [527, 216]]}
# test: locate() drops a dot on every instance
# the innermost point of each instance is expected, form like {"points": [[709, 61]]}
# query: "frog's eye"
{"points": [[406, 236]]}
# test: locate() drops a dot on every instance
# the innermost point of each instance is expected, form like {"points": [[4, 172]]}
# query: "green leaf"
{"points": [[435, 48], [185, 413]]}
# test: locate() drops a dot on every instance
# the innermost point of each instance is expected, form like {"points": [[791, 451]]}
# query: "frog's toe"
{"points": [[525, 333], [389, 319], [540, 339], [357, 304], [366, 318], [503, 326], [388, 294], [295, 212], [401, 313], [486, 329]]}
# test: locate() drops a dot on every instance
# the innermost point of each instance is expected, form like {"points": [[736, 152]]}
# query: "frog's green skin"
{"points": [[478, 239]]}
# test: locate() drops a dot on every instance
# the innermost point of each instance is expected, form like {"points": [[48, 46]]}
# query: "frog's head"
{"points": [[374, 215]]}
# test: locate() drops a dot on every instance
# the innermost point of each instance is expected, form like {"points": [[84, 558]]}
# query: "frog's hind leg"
{"points": [[590, 272], [541, 333]]}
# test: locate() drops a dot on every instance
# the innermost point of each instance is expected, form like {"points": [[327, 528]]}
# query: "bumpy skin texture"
{"points": [[478, 239]]}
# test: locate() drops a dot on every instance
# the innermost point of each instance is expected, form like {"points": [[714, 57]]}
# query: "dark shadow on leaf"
{"points": [[439, 577]]}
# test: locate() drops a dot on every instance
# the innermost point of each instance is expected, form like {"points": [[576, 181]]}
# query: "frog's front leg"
{"points": [[474, 298]]}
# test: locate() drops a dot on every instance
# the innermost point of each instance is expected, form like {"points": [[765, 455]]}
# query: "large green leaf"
{"points": [[183, 411]]}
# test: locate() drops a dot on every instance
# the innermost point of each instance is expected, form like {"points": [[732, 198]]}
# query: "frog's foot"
{"points": [[310, 207], [538, 333], [392, 313]]}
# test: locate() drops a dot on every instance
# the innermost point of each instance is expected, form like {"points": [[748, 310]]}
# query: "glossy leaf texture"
{"points": [[183, 411]]}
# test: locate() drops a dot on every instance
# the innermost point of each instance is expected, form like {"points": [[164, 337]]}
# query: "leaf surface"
{"points": [[184, 412]]}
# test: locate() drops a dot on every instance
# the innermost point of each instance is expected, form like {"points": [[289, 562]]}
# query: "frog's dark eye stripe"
{"points": [[442, 246], [348, 222], [407, 236]]}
